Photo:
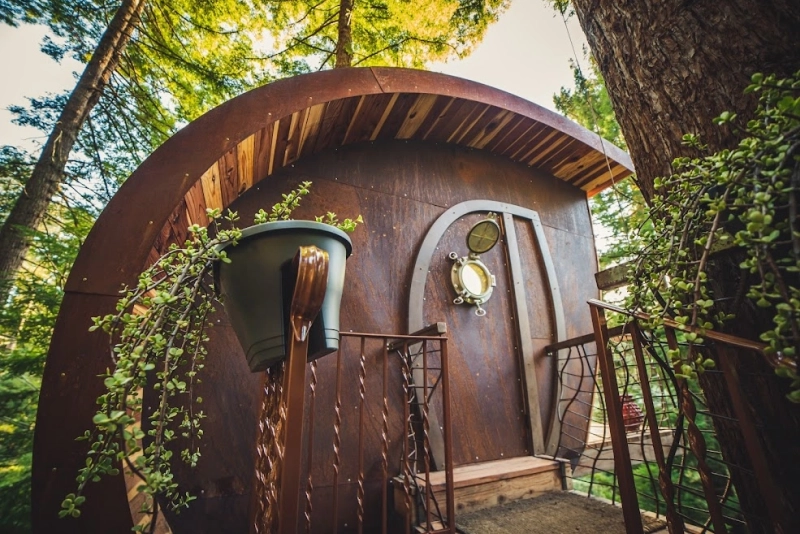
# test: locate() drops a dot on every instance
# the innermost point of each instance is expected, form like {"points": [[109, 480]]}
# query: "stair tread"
{"points": [[481, 473]]}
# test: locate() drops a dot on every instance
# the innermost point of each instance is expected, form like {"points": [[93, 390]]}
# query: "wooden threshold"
{"points": [[486, 472]]}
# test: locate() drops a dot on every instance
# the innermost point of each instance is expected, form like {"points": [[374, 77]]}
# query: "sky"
{"points": [[526, 52]]}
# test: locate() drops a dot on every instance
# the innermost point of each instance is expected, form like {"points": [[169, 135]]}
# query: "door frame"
{"points": [[541, 443]]}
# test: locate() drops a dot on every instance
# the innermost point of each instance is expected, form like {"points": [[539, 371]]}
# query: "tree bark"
{"points": [[344, 41], [48, 173], [670, 67]]}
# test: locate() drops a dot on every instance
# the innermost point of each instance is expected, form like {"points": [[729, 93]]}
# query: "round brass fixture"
{"points": [[483, 236], [471, 278]]}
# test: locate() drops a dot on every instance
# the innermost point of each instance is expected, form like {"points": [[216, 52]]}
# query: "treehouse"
{"points": [[465, 375]]}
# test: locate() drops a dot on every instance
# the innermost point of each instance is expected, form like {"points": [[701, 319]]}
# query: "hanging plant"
{"points": [[157, 339], [746, 197]]}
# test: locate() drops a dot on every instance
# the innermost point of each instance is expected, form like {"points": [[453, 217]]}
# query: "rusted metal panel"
{"points": [[67, 403], [223, 478], [208, 138], [488, 408], [366, 182]]}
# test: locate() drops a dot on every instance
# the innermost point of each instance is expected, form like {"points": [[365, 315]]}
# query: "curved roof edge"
{"points": [[341, 104]]}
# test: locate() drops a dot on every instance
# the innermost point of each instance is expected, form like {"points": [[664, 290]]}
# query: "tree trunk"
{"points": [[48, 174], [344, 42], [670, 67]]}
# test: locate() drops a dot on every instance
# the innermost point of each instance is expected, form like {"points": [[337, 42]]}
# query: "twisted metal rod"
{"points": [[269, 452], [309, 482]]}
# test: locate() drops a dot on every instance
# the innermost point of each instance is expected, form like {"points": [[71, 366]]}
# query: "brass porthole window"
{"points": [[471, 278]]}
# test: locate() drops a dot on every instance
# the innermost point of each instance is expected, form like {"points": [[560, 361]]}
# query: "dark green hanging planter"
{"points": [[257, 288]]}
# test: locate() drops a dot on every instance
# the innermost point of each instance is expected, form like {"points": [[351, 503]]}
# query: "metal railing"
{"points": [[364, 433], [637, 433]]}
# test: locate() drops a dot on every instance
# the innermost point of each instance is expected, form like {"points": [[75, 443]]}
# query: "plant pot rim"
{"points": [[278, 227]]}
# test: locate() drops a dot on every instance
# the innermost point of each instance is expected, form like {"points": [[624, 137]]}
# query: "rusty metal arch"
{"points": [[119, 244]]}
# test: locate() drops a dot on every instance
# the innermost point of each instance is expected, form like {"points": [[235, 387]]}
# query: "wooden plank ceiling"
{"points": [[371, 117]]}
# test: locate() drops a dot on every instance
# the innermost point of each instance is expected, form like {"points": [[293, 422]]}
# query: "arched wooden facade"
{"points": [[398, 146]]}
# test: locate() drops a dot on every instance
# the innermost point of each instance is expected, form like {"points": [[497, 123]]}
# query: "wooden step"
{"points": [[487, 484]]}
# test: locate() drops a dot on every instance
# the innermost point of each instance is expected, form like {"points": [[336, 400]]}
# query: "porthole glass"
{"points": [[474, 279]]}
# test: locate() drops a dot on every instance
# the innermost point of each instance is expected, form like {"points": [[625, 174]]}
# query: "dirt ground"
{"points": [[552, 513]]}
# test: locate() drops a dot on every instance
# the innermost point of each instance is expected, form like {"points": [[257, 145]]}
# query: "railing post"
{"points": [[426, 439], [448, 441], [385, 440], [780, 520], [619, 439], [311, 265], [309, 292], [674, 521]]}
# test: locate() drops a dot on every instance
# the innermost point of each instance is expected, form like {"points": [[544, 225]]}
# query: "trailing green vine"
{"points": [[746, 197], [157, 339]]}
